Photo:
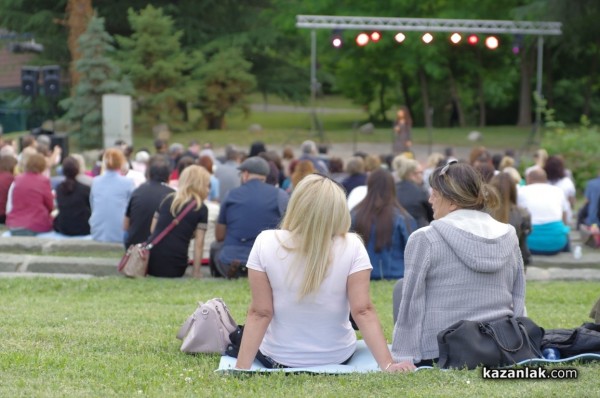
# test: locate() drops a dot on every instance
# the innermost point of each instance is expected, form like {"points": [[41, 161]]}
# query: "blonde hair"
{"points": [[372, 163], [316, 213], [193, 184], [404, 166]]}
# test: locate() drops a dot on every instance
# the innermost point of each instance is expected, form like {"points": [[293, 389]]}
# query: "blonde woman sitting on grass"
{"points": [[305, 279]]}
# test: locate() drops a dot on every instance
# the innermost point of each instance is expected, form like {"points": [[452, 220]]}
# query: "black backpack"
{"points": [[570, 342]]}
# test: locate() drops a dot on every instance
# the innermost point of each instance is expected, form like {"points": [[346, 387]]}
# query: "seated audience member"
{"points": [[301, 170], [145, 200], [8, 164], [372, 163], [336, 169], [557, 176], [355, 167], [433, 161], [590, 212], [31, 200], [249, 209], [83, 177], [383, 225], [540, 156], [306, 278], [184, 162], [548, 207], [464, 265], [169, 258], [410, 191], [309, 152], [73, 202], [508, 212], [109, 198], [256, 148], [207, 162], [228, 173], [279, 171]]}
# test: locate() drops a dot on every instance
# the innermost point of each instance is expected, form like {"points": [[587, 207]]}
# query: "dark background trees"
{"points": [[479, 86]]}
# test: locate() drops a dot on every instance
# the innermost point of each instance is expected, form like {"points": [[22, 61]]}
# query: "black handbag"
{"points": [[493, 344]]}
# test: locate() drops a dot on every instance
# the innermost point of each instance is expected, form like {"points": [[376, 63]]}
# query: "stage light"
{"points": [[492, 42], [337, 42], [427, 38], [455, 38], [362, 39], [399, 37], [473, 39], [375, 36]]}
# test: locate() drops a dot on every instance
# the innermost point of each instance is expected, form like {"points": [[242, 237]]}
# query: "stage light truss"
{"points": [[429, 25]]}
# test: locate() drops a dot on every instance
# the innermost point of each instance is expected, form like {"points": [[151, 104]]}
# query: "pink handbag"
{"points": [[207, 329]]}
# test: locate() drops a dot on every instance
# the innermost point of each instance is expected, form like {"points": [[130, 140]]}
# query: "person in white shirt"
{"points": [[548, 207], [305, 280]]}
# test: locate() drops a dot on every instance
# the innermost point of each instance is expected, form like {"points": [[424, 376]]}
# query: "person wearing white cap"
{"points": [[246, 211]]}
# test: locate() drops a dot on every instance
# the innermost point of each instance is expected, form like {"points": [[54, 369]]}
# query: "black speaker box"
{"points": [[51, 75], [29, 80]]}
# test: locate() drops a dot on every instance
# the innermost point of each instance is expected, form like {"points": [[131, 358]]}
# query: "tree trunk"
{"points": [[79, 13], [481, 100], [425, 98], [591, 80], [526, 90], [455, 98], [215, 122], [382, 108], [407, 100]]}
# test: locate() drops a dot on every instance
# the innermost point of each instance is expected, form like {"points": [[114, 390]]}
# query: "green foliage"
{"points": [[115, 337], [158, 68], [579, 146], [99, 76], [226, 82]]}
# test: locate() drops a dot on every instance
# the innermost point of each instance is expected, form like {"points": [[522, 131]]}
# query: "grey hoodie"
{"points": [[465, 266]]}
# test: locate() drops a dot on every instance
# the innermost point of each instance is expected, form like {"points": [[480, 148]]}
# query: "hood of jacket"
{"points": [[477, 239]]}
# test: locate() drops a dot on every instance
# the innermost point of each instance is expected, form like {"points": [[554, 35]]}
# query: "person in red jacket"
{"points": [[32, 200]]}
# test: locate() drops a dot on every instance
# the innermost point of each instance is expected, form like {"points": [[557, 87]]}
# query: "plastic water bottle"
{"points": [[577, 252], [551, 353]]}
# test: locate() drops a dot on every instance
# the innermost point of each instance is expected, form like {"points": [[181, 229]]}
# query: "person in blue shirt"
{"points": [[245, 212], [109, 197], [384, 226]]}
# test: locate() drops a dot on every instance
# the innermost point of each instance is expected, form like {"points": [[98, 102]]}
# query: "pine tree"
{"points": [[159, 69], [99, 75], [226, 83]]}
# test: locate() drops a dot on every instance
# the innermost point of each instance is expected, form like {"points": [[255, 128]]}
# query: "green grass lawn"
{"points": [[116, 337]]}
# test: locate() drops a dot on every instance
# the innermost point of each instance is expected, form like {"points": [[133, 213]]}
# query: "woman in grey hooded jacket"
{"points": [[465, 265]]}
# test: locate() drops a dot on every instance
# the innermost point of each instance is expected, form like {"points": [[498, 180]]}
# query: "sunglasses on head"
{"points": [[447, 166]]}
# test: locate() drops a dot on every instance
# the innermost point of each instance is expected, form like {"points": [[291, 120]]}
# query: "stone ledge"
{"points": [[551, 274], [25, 244], [72, 265]]}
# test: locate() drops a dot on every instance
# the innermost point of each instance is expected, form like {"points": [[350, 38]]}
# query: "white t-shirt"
{"points": [[316, 330], [567, 186], [545, 202]]}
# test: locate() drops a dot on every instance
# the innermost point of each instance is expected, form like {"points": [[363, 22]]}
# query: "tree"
{"points": [[79, 13], [99, 75], [158, 68], [226, 81]]}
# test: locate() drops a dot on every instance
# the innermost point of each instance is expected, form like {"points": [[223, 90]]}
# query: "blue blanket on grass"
{"points": [[363, 362]]}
